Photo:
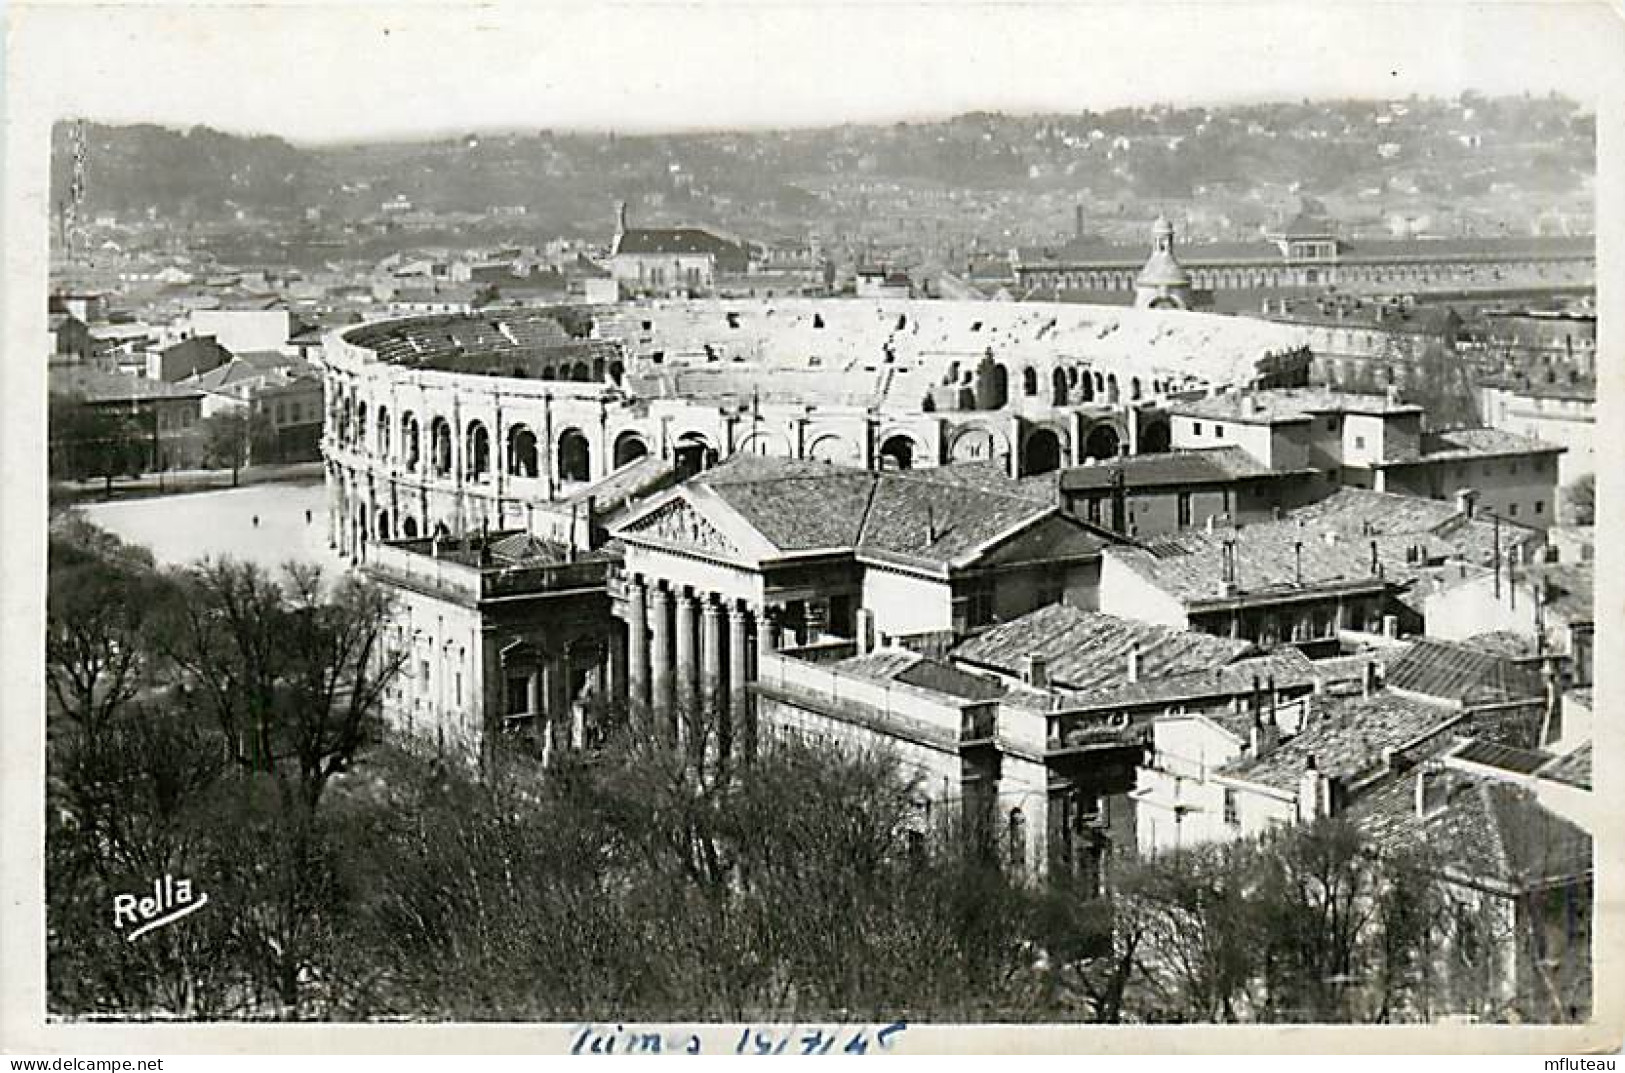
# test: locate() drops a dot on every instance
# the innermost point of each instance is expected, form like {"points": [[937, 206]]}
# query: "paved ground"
{"points": [[189, 526]]}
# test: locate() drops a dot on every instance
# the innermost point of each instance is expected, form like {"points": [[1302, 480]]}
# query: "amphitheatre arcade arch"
{"points": [[575, 456], [977, 443], [477, 451], [765, 443], [898, 451], [523, 457], [1102, 442], [629, 447], [1042, 453], [836, 449]]}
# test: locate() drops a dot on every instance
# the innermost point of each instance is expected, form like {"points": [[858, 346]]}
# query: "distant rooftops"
{"points": [[1215, 465], [1290, 404]]}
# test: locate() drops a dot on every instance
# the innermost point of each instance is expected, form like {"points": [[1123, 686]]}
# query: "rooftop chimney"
{"points": [[620, 217], [1373, 678], [1263, 736], [1228, 577], [1432, 790], [1376, 566], [1466, 502], [1134, 662], [930, 525], [1036, 673], [1314, 793]]}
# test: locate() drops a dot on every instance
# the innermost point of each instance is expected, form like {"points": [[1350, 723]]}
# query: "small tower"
{"points": [[1163, 283]]}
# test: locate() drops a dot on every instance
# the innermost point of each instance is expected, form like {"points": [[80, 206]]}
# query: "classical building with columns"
{"points": [[505, 635], [760, 556]]}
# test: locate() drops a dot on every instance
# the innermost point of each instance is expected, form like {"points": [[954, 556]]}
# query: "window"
{"points": [[1512, 510], [1218, 432], [1196, 428], [1232, 814], [1184, 509], [1331, 424], [423, 676], [1512, 468], [1540, 506], [1092, 509], [518, 696], [1359, 443]]}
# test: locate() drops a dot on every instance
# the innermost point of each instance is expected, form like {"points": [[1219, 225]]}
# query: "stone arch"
{"points": [[1058, 387], [1042, 452], [1029, 381], [1085, 388], [361, 423], [581, 372], [574, 456], [383, 525], [409, 528], [977, 443], [549, 373], [1111, 389], [477, 450], [1102, 442], [411, 442], [771, 444], [898, 451], [629, 447], [1155, 438], [694, 453], [440, 446], [1134, 389], [617, 371], [383, 432], [523, 456], [835, 449]]}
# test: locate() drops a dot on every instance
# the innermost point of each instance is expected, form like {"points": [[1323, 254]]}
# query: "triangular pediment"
{"points": [[680, 525]]}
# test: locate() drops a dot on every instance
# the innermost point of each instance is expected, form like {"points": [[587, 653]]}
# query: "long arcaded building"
{"points": [[453, 424]]}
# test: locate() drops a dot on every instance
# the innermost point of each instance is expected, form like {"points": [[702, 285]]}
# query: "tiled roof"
{"points": [[1214, 465], [1359, 512], [1455, 672], [1468, 443], [931, 517], [1505, 757], [1570, 589], [1289, 668], [672, 240], [802, 513], [1087, 650], [1346, 736], [1503, 643], [1288, 404], [1572, 769], [1487, 830], [1189, 565], [922, 672]]}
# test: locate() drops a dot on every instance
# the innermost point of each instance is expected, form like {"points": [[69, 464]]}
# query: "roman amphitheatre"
{"points": [[449, 424]]}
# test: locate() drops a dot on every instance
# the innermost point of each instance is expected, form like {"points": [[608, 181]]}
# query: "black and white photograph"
{"points": [[811, 529]]}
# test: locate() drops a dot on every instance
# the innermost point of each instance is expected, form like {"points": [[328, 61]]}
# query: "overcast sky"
{"points": [[323, 75]]}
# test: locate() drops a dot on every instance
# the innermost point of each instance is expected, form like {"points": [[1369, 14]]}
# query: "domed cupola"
{"points": [[1163, 283]]}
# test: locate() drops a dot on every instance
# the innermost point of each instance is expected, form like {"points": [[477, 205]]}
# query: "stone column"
{"points": [[687, 707], [637, 649], [660, 700], [711, 696], [615, 695], [737, 678]]}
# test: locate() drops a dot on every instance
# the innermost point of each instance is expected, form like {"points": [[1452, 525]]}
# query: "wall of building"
{"points": [[1522, 488], [1124, 592], [905, 603], [240, 330], [1569, 422], [437, 697]]}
